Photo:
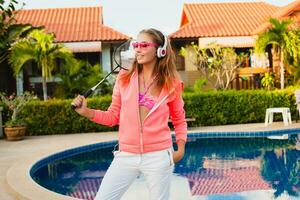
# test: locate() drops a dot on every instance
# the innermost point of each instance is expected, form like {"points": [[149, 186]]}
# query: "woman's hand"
{"points": [[80, 103], [81, 107], [177, 156]]}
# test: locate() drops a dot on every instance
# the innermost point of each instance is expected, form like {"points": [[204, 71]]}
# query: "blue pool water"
{"points": [[215, 169]]}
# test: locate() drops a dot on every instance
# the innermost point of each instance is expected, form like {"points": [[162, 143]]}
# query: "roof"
{"points": [[205, 182], [222, 181], [291, 10], [222, 19], [71, 24]]}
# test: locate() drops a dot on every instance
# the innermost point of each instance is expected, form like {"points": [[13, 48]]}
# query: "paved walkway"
{"points": [[16, 157]]}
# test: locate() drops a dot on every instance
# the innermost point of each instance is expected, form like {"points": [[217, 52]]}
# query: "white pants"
{"points": [[157, 168]]}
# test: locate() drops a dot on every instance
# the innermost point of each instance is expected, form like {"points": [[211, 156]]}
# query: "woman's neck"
{"points": [[148, 71]]}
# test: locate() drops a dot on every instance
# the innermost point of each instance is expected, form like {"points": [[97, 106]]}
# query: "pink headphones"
{"points": [[162, 50]]}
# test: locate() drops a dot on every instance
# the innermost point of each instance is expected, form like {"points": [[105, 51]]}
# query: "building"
{"points": [[80, 29], [233, 25]]}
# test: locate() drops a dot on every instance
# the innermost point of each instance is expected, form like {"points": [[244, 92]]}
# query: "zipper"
{"points": [[141, 131], [151, 111], [170, 157], [159, 103], [140, 123], [141, 139]]}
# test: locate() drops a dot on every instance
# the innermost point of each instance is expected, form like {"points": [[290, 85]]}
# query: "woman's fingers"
{"points": [[177, 156], [78, 101]]}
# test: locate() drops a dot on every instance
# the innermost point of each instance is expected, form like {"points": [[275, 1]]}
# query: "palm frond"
{"points": [[280, 26], [275, 35], [292, 41], [21, 53], [262, 42]]}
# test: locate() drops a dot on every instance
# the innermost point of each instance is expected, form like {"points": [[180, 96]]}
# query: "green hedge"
{"points": [[236, 107], [208, 108], [56, 117]]}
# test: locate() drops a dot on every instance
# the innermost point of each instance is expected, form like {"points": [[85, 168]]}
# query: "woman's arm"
{"points": [[177, 115], [109, 117], [178, 155], [112, 115]]}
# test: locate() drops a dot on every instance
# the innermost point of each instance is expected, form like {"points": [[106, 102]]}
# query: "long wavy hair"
{"points": [[165, 67]]}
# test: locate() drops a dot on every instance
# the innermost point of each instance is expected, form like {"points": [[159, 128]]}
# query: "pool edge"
{"points": [[19, 181]]}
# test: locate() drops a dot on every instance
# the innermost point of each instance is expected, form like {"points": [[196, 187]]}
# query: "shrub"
{"points": [[56, 117], [200, 83], [236, 107], [208, 108]]}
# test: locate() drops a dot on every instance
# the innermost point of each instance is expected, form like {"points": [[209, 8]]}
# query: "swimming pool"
{"points": [[213, 168]]}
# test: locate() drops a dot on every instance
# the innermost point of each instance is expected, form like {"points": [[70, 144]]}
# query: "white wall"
{"points": [[106, 64], [235, 41]]}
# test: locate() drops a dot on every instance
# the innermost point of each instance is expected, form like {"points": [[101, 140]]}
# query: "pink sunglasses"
{"points": [[143, 44]]}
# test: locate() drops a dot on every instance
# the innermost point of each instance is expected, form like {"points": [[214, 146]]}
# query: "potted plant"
{"points": [[15, 128]]}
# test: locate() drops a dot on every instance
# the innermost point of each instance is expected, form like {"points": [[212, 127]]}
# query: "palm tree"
{"points": [[7, 19], [77, 79], [282, 172], [10, 31], [13, 33], [279, 36], [40, 48]]}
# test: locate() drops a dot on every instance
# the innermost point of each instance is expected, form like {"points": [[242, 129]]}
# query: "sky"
{"points": [[131, 16]]}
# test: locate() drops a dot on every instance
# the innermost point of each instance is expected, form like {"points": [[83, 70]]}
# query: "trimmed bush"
{"points": [[235, 107], [56, 117], [208, 108]]}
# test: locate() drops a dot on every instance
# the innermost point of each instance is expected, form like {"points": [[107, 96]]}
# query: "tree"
{"points": [[79, 78], [268, 80], [282, 171], [282, 37], [215, 62], [40, 48], [293, 60], [10, 31], [7, 19]]}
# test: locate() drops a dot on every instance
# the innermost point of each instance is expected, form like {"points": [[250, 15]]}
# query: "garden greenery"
{"points": [[208, 108]]}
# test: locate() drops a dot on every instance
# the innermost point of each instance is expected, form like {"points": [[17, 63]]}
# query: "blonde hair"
{"points": [[165, 67]]}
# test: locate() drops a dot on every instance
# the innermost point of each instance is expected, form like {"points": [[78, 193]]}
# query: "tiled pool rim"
{"points": [[23, 187], [192, 135]]}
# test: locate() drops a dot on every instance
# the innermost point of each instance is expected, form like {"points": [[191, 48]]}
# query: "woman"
{"points": [[143, 100]]}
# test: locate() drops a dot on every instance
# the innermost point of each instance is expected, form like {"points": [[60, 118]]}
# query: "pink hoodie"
{"points": [[153, 134]]}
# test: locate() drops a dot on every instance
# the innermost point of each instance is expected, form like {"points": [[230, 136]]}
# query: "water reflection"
{"points": [[233, 166], [281, 168], [214, 168]]}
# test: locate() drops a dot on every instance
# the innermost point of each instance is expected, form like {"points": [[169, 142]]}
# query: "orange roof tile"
{"points": [[72, 24], [222, 19], [205, 182], [222, 181], [286, 11]]}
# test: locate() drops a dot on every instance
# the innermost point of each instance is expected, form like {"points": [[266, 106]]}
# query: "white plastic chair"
{"points": [[286, 115]]}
